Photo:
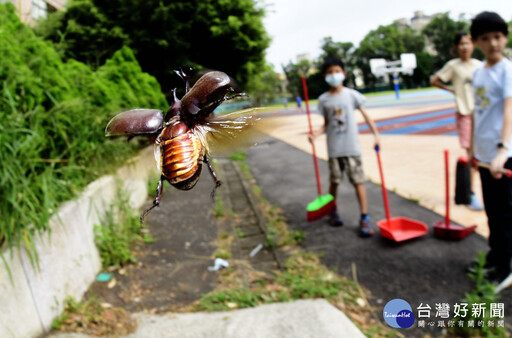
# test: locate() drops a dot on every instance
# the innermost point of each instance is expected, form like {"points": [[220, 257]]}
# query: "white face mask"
{"points": [[334, 80]]}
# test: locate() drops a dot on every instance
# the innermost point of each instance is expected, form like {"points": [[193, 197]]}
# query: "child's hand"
{"points": [[311, 137], [498, 163], [376, 141]]}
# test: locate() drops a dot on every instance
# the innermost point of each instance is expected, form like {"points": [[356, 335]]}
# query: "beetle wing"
{"points": [[135, 122], [227, 133]]}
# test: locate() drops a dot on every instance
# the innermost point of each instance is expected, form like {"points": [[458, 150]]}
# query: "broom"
{"points": [[322, 205], [462, 182]]}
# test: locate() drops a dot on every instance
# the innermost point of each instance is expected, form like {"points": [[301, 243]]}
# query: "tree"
{"points": [[386, 42], [441, 32], [165, 35], [294, 73], [264, 87], [344, 51]]}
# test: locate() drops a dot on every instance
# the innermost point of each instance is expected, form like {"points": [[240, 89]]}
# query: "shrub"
{"points": [[52, 120]]}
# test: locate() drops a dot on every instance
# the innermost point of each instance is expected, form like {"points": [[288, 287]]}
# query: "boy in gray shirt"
{"points": [[338, 107]]}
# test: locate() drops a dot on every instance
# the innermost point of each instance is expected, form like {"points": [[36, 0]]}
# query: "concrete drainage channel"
{"points": [[249, 222]]}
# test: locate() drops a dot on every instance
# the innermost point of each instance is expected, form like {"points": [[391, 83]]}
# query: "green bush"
{"points": [[52, 120]]}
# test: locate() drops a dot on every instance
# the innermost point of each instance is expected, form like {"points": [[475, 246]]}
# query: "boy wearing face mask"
{"points": [[338, 107]]}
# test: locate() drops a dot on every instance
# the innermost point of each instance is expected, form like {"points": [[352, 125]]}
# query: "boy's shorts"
{"points": [[463, 123], [352, 165]]}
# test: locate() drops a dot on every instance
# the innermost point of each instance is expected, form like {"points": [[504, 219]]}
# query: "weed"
{"points": [[414, 200], [238, 156], [482, 296], [117, 233], [222, 253], [239, 233], [218, 210]]}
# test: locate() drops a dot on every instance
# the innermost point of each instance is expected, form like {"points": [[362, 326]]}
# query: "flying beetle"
{"points": [[182, 136]]}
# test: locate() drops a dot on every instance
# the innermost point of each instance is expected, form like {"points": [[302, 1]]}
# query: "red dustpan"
{"points": [[397, 228], [444, 228]]}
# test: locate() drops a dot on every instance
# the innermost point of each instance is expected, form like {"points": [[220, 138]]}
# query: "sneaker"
{"points": [[475, 204], [365, 228], [335, 219]]}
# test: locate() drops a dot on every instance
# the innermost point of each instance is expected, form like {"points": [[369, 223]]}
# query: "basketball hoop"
{"points": [[406, 65]]}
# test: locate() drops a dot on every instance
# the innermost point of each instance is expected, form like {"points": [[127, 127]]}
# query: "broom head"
{"points": [[320, 207], [463, 182]]}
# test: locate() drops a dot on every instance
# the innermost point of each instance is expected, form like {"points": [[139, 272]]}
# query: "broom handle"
{"points": [[447, 189], [504, 171], [317, 172], [383, 184]]}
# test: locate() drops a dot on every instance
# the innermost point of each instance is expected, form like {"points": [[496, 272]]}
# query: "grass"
{"points": [[94, 317], [303, 277], [118, 232]]}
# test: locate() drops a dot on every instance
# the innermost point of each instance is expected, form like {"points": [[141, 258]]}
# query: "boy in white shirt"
{"points": [[492, 140]]}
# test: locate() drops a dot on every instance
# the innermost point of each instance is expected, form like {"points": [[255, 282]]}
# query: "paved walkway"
{"points": [[424, 270], [302, 318]]}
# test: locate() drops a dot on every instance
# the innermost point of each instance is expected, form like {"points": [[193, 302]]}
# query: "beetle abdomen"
{"points": [[181, 160]]}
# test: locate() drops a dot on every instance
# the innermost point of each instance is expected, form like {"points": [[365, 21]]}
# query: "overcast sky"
{"points": [[298, 26]]}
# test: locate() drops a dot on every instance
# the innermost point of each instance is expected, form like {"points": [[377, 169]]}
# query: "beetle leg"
{"points": [[226, 98], [156, 202], [214, 176]]}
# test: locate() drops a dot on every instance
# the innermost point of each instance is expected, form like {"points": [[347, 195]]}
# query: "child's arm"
{"points": [[435, 80], [370, 123], [506, 132]]}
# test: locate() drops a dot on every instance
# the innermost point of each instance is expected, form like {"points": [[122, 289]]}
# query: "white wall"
{"points": [[68, 258]]}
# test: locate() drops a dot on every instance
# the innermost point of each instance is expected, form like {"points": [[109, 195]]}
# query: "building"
{"points": [[31, 11]]}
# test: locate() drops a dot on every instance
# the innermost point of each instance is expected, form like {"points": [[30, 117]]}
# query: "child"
{"points": [[460, 72], [337, 106], [492, 140]]}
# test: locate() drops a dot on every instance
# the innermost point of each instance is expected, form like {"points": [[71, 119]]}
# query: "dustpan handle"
{"points": [[447, 189], [383, 185]]}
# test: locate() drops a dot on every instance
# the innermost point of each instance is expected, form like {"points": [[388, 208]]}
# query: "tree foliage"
{"points": [[387, 42], [441, 32], [264, 87], [226, 35], [52, 120]]}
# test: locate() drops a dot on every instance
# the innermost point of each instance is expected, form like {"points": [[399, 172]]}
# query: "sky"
{"points": [[298, 26]]}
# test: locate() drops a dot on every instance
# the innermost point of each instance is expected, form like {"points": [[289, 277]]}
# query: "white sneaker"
{"points": [[504, 284], [475, 204]]}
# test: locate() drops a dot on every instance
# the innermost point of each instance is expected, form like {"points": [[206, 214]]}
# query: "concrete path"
{"points": [[302, 318]]}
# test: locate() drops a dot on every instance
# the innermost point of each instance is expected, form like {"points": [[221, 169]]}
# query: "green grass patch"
{"points": [[118, 232], [303, 277]]}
